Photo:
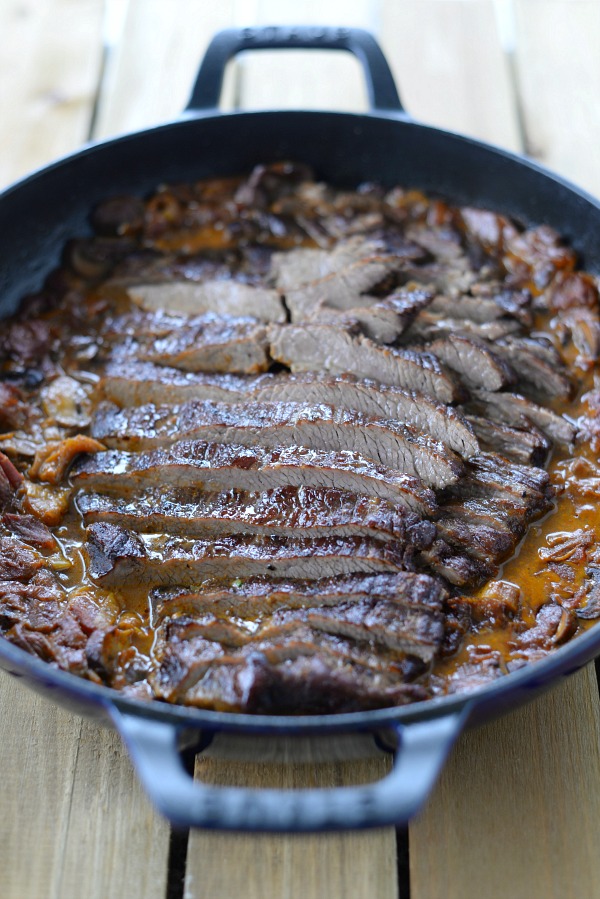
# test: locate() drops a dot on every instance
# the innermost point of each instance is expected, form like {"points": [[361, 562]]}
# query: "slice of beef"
{"points": [[215, 466], [481, 310], [522, 493], [405, 630], [429, 326], [281, 424], [342, 289], [310, 685], [258, 597], [517, 411], [301, 265], [119, 557], [583, 327], [224, 345], [498, 513], [537, 366], [31, 530], [17, 560], [324, 348], [479, 541], [137, 383], [225, 297], [458, 568], [528, 447], [291, 511], [476, 363], [383, 320], [189, 648]]}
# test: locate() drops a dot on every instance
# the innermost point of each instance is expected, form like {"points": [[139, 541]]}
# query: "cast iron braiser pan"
{"points": [[38, 215]]}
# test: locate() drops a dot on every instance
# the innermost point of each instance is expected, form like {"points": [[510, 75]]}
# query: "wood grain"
{"points": [[350, 865], [74, 821], [154, 61], [517, 810], [49, 68], [559, 83], [450, 66]]}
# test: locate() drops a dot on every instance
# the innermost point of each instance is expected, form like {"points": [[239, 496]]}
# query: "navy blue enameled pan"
{"points": [[37, 216]]}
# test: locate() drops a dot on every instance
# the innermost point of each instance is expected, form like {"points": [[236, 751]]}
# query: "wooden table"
{"points": [[517, 811]]}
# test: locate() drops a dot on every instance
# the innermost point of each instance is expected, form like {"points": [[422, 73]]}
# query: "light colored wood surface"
{"points": [[450, 67], [517, 810], [49, 69], [520, 797], [74, 820], [289, 866]]}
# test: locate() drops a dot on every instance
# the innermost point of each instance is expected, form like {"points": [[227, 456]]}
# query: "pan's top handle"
{"points": [[383, 95]]}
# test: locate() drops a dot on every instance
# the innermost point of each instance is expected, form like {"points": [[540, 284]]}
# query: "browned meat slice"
{"points": [[382, 320], [342, 289], [474, 308], [495, 512], [403, 629], [17, 560], [225, 297], [455, 566], [118, 556], [291, 511], [302, 265], [311, 684], [583, 327], [223, 345], [430, 326], [513, 409], [137, 383], [519, 493], [31, 530], [215, 466], [281, 424], [259, 597], [476, 363], [528, 447], [523, 479], [327, 349], [406, 630], [537, 365], [480, 541], [189, 647]]}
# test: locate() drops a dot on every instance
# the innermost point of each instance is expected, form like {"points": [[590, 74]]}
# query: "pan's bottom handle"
{"points": [[422, 750]]}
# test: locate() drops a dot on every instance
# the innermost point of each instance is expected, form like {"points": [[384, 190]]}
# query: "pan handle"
{"points": [[383, 95], [422, 749]]}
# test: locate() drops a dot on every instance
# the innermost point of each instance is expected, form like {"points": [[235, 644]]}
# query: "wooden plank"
{"points": [[559, 83], [350, 865], [517, 810], [49, 65], [450, 66], [75, 821], [154, 61]]}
